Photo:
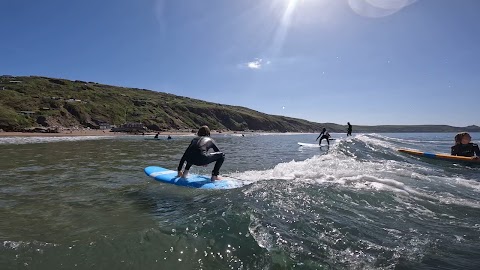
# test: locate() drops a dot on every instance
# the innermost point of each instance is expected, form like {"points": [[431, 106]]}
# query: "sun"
{"points": [[292, 4], [292, 14]]}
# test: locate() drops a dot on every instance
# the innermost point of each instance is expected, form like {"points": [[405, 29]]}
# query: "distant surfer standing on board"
{"points": [[349, 130], [197, 154], [464, 147], [323, 135]]}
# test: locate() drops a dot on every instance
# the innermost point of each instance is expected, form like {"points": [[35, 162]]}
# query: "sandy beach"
{"points": [[93, 132], [86, 133]]}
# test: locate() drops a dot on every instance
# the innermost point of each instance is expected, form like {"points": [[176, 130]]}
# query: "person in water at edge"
{"points": [[323, 135], [349, 130], [197, 154], [464, 147], [156, 135]]}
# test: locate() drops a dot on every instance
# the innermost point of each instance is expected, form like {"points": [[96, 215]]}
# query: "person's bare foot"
{"points": [[215, 178], [185, 174]]}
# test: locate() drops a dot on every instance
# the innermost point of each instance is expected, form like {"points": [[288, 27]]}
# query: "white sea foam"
{"points": [[260, 233], [409, 141], [20, 244], [374, 141], [399, 178], [471, 184]]}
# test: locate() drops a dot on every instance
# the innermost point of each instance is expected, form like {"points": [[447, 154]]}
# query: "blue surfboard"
{"points": [[193, 180]]}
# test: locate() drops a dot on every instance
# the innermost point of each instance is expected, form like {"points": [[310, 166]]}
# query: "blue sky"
{"points": [[364, 61]]}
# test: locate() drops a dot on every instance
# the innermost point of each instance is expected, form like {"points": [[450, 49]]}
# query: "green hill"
{"points": [[33, 101], [40, 101]]}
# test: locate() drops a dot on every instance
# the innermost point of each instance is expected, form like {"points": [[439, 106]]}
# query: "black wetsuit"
{"points": [[466, 150], [197, 154], [349, 130], [324, 135]]}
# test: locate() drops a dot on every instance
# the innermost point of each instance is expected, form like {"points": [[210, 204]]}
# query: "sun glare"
{"points": [[287, 16], [281, 32]]}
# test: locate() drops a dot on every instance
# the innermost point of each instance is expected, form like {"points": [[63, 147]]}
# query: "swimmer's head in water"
{"points": [[466, 138], [203, 131], [463, 138], [458, 138]]}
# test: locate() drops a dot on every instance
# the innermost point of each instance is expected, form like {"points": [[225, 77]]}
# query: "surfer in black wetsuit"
{"points": [[464, 147], [156, 135], [349, 130], [323, 135], [197, 154]]}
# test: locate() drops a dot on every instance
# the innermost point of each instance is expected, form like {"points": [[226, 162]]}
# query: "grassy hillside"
{"points": [[58, 102], [40, 101]]}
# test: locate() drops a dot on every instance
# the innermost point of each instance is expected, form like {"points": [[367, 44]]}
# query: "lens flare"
{"points": [[378, 8]]}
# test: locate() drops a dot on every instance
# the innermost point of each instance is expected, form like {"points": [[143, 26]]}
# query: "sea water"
{"points": [[85, 203]]}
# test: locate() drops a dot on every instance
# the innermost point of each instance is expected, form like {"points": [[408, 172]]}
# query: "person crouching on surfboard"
{"points": [[464, 147], [324, 135], [197, 154]]}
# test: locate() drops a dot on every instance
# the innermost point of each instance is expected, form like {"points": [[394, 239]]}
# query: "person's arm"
{"points": [[477, 151], [214, 146], [319, 136], [182, 161], [454, 151]]}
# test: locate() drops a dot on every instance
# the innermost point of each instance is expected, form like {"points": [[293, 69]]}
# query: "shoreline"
{"points": [[107, 133], [82, 133]]}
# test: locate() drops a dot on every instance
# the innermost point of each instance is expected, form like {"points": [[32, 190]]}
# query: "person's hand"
{"points": [[476, 157]]}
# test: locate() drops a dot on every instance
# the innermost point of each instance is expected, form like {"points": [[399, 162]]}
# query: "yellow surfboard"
{"points": [[440, 156]]}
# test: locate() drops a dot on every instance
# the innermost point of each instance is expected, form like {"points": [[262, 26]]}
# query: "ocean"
{"points": [[85, 203]]}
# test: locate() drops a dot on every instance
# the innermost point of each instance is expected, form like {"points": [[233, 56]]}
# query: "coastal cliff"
{"points": [[33, 101], [48, 102]]}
